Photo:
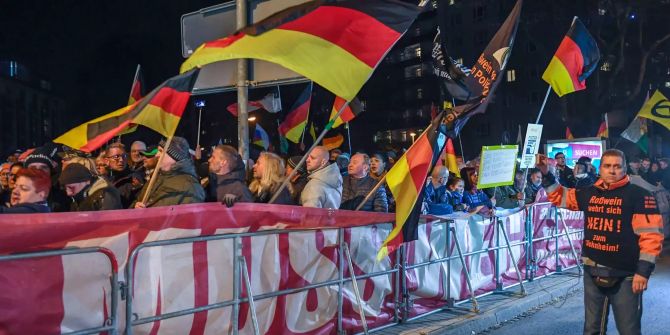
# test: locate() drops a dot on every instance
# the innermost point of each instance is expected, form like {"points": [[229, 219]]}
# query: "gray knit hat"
{"points": [[178, 149]]}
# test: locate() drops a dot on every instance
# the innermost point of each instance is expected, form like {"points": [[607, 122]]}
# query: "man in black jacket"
{"points": [[358, 183], [227, 167], [88, 192]]}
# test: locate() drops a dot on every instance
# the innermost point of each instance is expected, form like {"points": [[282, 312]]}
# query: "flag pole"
{"points": [[152, 181], [383, 177], [328, 126], [302, 136], [197, 140], [546, 96], [460, 141], [349, 137], [130, 95]]}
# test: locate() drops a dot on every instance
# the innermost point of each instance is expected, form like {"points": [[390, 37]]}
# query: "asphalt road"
{"points": [[567, 316]]}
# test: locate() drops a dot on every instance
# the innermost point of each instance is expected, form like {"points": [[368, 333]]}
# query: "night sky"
{"points": [[89, 50]]}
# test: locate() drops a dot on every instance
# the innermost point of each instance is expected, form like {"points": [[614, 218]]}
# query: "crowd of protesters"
{"points": [[52, 178]]}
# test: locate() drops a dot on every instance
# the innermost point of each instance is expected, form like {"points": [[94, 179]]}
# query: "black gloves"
{"points": [[229, 199]]}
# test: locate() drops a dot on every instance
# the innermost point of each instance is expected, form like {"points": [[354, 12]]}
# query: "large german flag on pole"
{"points": [[337, 44], [406, 180], [160, 110]]}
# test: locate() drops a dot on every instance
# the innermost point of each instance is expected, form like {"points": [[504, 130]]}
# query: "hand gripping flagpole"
{"points": [[152, 181], [328, 126]]}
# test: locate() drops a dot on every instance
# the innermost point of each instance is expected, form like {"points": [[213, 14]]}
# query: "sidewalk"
{"points": [[494, 308]]}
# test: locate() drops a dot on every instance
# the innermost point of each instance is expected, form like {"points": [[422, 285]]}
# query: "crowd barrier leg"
{"points": [[501, 226], [567, 235], [555, 233], [354, 284], [397, 294], [530, 235], [475, 305], [447, 224], [235, 315], [406, 303], [340, 283], [250, 295]]}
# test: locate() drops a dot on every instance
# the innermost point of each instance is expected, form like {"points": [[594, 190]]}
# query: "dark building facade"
{"points": [[30, 113]]}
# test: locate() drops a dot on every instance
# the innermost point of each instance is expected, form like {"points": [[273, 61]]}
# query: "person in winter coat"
{"points": [[581, 179], [475, 198], [30, 192], [455, 190], [177, 182], [87, 191], [358, 183], [324, 185], [435, 193], [227, 179], [269, 173]]}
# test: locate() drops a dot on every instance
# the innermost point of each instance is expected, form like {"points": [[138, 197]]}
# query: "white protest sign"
{"points": [[531, 145], [497, 166]]}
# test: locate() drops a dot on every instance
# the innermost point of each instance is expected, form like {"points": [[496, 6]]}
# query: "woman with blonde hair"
{"points": [[269, 173]]}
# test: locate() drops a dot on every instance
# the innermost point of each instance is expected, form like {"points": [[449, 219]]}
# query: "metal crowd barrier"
{"points": [[111, 323], [402, 299]]}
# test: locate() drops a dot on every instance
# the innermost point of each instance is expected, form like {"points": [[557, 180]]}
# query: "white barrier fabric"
{"points": [[73, 291]]}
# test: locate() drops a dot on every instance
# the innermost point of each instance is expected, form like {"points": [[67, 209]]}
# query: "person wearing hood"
{"points": [[227, 176], [30, 192], [176, 182], [582, 179], [324, 183], [88, 191]]}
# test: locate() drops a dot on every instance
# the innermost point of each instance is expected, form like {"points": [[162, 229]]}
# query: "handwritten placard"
{"points": [[497, 166]]}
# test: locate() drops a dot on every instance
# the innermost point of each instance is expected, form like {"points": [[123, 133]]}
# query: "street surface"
{"points": [[567, 316]]}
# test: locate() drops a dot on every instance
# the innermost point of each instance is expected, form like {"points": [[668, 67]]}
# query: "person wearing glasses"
{"points": [[121, 174]]}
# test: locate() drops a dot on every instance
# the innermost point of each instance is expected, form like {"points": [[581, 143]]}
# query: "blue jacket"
{"points": [[437, 200]]}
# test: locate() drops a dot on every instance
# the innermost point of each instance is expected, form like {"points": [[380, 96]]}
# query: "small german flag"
{"points": [[137, 90], [336, 44], [406, 180], [350, 112], [294, 124], [160, 110], [333, 142]]}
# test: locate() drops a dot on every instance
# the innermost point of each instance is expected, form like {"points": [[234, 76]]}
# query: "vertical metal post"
{"points": [[114, 303], [397, 294], [237, 252], [530, 232], [447, 231], [406, 303], [475, 305], [250, 294], [129, 292], [556, 257], [501, 224], [340, 277], [496, 231], [354, 284], [242, 88]]}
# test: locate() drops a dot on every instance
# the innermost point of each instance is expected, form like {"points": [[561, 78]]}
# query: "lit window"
{"points": [[511, 75], [606, 67]]}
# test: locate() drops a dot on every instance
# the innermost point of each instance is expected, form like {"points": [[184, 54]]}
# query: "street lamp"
{"points": [[412, 134], [252, 119]]}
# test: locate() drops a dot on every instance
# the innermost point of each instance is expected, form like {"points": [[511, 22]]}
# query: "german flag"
{"points": [[406, 180], [137, 90], [160, 110], [294, 124], [333, 142], [602, 130], [576, 58], [568, 134], [336, 44], [450, 158], [350, 112]]}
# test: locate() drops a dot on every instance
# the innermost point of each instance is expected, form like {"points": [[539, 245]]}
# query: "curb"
{"points": [[491, 317]]}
